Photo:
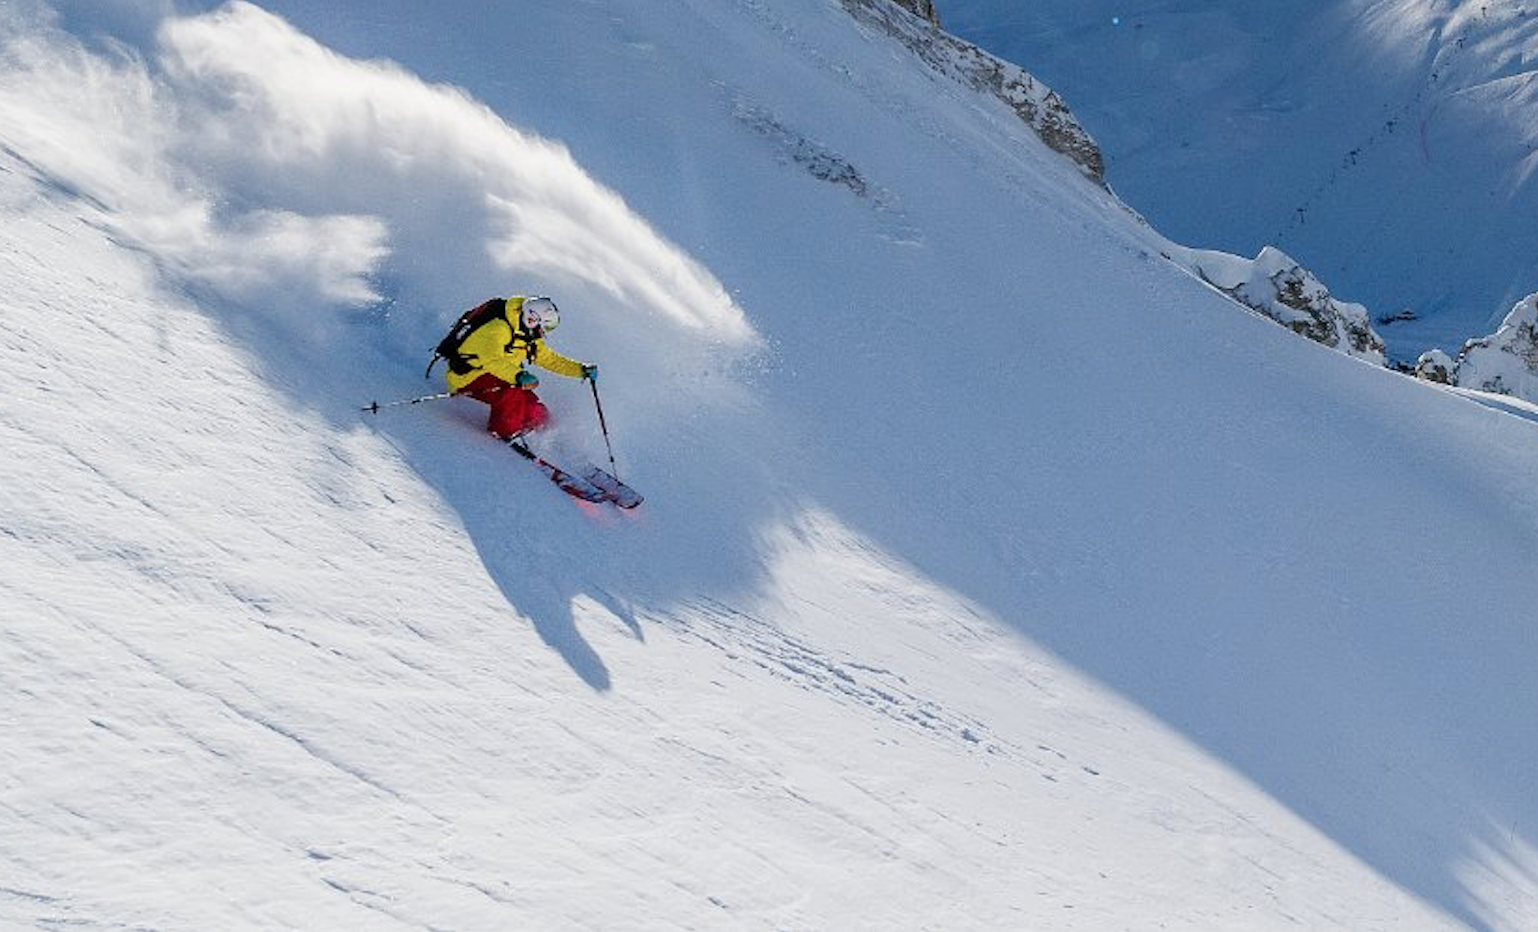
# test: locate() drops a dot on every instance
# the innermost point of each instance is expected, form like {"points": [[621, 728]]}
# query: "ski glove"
{"points": [[590, 373], [526, 379]]}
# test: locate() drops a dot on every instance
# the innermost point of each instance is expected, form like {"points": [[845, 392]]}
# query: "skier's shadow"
{"points": [[548, 598], [548, 605], [548, 553], [517, 521]]}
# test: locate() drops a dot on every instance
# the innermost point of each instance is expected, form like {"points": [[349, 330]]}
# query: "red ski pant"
{"points": [[512, 409]]}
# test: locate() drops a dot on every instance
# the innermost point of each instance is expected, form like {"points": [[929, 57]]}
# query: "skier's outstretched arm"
{"points": [[547, 358]]}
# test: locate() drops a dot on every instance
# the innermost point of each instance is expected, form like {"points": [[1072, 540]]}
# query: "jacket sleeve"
{"points": [[547, 358]]}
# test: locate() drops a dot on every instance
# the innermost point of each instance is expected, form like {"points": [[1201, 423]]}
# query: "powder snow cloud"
{"points": [[249, 159]]}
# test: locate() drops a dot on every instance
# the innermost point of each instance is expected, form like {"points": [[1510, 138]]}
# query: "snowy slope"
{"points": [[967, 594], [1388, 145]]}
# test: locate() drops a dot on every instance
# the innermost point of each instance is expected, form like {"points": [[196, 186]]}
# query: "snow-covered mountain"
{"points": [[1506, 362], [1388, 145], [996, 571]]}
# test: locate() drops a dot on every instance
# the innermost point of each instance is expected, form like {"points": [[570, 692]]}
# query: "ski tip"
{"points": [[624, 497], [617, 492]]}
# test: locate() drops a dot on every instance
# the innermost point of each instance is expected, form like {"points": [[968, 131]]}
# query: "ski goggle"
{"points": [[540, 314]]}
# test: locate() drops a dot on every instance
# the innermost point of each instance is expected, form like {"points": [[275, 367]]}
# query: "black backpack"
{"points": [[469, 322]]}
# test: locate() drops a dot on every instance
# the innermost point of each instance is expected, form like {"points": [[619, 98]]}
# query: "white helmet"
{"points": [[540, 313]]}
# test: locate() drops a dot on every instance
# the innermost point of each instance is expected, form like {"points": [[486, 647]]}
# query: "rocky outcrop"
{"points": [[1436, 366], [1505, 362], [1281, 289], [816, 159], [915, 25], [923, 8]]}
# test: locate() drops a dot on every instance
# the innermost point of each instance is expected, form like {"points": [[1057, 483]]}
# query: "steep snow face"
{"points": [[993, 568], [1388, 144]]}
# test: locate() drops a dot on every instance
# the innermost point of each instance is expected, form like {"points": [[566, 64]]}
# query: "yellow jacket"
{"points": [[497, 348]]}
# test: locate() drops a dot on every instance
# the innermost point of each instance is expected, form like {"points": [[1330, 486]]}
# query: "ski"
{"points": [[572, 485], [615, 491]]}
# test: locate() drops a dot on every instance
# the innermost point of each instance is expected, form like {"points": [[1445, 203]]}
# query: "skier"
{"points": [[489, 351]]}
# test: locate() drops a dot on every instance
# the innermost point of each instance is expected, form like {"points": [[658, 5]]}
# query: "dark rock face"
{"points": [[923, 8]]}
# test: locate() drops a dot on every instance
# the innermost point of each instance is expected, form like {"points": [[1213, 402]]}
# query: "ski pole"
{"points": [[373, 407], [604, 426]]}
